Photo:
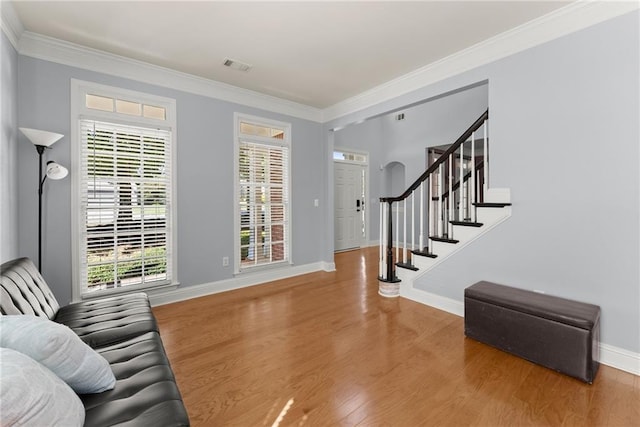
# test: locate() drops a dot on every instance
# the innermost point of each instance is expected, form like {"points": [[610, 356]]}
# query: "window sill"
{"points": [[148, 289], [247, 271]]}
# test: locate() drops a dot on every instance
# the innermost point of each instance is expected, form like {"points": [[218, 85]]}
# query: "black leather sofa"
{"points": [[124, 331]]}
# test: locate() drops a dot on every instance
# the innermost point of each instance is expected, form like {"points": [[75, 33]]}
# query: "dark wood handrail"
{"points": [[431, 169]]}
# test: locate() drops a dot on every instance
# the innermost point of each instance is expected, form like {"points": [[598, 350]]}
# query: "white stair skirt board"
{"points": [[489, 217]]}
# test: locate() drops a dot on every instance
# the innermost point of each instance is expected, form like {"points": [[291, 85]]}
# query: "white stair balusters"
{"points": [[413, 221], [404, 232], [383, 257], [429, 212], [485, 160], [472, 186], [462, 205], [397, 233], [421, 238], [450, 200]]}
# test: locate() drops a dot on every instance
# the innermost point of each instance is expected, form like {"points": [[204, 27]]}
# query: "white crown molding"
{"points": [[62, 52], [566, 20], [11, 24]]}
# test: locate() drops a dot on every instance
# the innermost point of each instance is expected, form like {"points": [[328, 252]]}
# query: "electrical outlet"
{"points": [[225, 261]]}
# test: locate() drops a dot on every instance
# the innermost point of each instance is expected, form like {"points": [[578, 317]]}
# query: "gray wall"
{"points": [[9, 152], [204, 177], [437, 122], [564, 137]]}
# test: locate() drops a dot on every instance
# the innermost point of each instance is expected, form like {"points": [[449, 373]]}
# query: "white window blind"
{"points": [[263, 202], [125, 206]]}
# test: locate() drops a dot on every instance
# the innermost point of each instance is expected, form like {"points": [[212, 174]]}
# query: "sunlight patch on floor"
{"points": [[284, 411]]}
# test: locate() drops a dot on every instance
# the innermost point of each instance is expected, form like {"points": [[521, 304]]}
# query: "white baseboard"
{"points": [[436, 301], [619, 358], [328, 266], [241, 281], [615, 357]]}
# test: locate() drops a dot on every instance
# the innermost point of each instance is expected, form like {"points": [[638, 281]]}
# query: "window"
{"points": [[347, 156], [123, 106], [123, 190], [262, 192]]}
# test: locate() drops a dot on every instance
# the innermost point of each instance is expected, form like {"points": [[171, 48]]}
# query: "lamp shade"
{"points": [[56, 171], [41, 137]]}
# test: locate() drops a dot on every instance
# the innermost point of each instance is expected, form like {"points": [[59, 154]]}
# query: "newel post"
{"points": [[391, 274], [389, 285]]}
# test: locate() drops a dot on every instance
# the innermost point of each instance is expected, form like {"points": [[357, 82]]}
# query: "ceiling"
{"points": [[314, 53]]}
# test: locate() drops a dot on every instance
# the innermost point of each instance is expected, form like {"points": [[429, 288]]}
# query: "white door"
{"points": [[349, 225]]}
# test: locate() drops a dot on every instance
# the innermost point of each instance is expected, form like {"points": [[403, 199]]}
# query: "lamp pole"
{"points": [[40, 149]]}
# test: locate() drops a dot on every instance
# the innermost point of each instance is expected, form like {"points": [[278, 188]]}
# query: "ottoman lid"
{"points": [[569, 312]]}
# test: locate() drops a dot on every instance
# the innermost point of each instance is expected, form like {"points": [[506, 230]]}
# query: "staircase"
{"points": [[446, 208]]}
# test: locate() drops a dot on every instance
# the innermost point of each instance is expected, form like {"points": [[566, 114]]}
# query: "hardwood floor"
{"points": [[324, 349]]}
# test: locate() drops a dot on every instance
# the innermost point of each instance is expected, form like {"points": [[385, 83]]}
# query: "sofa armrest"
{"points": [[24, 291]]}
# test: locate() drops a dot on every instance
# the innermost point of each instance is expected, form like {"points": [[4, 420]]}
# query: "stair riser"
{"points": [[443, 249], [488, 216], [498, 195], [405, 275], [423, 263], [462, 233]]}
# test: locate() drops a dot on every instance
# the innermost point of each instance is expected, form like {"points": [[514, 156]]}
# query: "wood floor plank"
{"points": [[324, 349]]}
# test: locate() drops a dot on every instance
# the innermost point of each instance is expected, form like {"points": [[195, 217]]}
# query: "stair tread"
{"points": [[467, 223], [443, 239], [424, 253], [407, 266], [491, 205]]}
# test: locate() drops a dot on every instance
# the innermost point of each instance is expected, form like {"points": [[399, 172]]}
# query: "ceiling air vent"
{"points": [[236, 65]]}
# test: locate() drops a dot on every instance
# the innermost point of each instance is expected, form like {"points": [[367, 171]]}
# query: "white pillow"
{"points": [[59, 349], [30, 394]]}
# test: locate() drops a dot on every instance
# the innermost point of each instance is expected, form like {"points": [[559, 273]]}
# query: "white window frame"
{"points": [[79, 111], [261, 121]]}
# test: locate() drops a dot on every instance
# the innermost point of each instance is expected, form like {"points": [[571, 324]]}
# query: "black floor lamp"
{"points": [[43, 140]]}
